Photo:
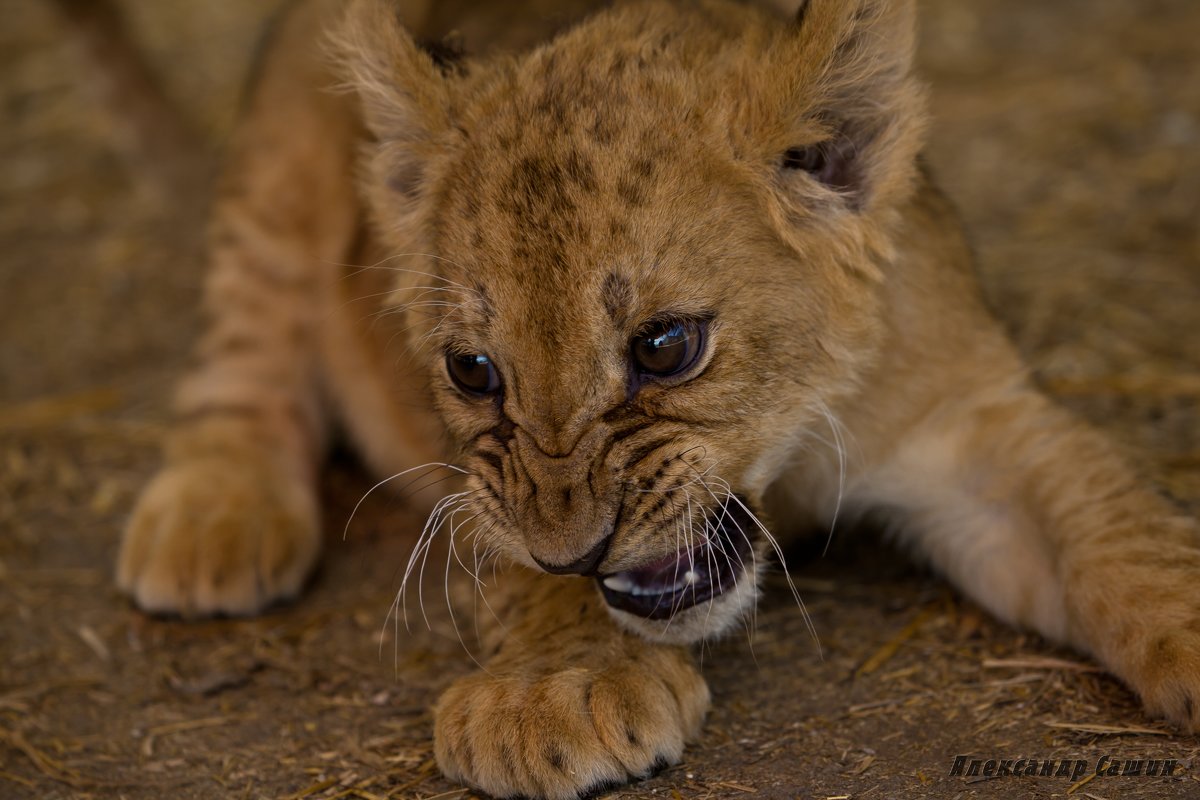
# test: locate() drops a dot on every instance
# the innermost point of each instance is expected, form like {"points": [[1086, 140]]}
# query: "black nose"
{"points": [[584, 566]]}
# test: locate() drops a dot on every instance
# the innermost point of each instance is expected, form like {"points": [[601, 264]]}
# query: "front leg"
{"points": [[569, 703], [1035, 516], [231, 524]]}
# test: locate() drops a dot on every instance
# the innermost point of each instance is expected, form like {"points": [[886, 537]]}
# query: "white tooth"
{"points": [[690, 576], [619, 583]]}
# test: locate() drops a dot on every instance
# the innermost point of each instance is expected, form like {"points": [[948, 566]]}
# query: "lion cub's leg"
{"points": [[1034, 515], [569, 702], [230, 524]]}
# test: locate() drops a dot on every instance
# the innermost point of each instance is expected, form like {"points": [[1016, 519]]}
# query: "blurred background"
{"points": [[1067, 133]]}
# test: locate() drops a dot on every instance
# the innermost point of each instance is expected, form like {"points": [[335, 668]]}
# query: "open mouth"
{"points": [[661, 589]]}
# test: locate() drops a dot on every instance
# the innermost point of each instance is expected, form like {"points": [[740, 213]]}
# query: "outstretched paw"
{"points": [[216, 536]]}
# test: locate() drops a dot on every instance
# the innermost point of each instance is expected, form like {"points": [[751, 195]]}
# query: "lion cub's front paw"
{"points": [[1168, 679], [565, 734], [218, 536]]}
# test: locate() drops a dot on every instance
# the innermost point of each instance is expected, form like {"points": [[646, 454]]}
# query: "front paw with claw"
{"points": [[566, 733], [218, 536]]}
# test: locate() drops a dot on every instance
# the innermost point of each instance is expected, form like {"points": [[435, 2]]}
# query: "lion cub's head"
{"points": [[639, 264]]}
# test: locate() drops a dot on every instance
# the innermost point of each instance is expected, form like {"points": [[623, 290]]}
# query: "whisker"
{"points": [[752, 622], [452, 552], [379, 265], [840, 447], [782, 560], [430, 484], [398, 307], [446, 514], [421, 549], [483, 595], [430, 466]]}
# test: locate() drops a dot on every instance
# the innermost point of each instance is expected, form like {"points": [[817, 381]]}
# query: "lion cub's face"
{"points": [[651, 250]]}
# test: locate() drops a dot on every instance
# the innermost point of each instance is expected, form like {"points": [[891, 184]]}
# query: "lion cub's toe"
{"points": [[568, 733], [215, 537], [1168, 678]]}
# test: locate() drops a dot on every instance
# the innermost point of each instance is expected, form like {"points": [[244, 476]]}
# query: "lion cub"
{"points": [[623, 279]]}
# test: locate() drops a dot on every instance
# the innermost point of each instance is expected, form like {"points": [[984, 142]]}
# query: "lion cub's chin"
{"points": [[706, 620]]}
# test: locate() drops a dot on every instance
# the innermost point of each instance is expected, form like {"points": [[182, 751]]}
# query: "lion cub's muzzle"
{"points": [[701, 571]]}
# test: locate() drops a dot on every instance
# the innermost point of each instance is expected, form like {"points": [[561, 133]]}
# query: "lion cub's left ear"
{"points": [[405, 98], [848, 101]]}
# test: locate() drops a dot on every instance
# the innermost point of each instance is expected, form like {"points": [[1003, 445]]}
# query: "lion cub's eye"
{"points": [[667, 347], [473, 373]]}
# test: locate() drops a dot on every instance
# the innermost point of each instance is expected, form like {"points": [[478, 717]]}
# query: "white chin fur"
{"points": [[706, 620]]}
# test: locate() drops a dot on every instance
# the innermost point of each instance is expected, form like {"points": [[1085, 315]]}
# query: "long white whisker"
{"points": [[424, 542], [841, 454], [782, 561], [752, 622], [453, 552], [430, 465], [380, 266], [446, 515]]}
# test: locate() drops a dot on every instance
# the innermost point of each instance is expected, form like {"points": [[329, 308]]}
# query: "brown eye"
{"points": [[473, 373], [667, 347]]}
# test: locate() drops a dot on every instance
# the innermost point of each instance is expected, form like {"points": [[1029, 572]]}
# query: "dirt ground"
{"points": [[1067, 132]]}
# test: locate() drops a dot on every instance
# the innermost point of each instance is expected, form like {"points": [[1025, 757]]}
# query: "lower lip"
{"points": [[716, 572]]}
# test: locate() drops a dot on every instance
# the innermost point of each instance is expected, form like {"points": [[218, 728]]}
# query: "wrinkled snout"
{"points": [[568, 506]]}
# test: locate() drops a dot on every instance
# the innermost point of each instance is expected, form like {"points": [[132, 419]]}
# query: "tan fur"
{"points": [[539, 207]]}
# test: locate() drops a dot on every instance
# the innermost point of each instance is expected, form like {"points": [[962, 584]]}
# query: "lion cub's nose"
{"points": [[586, 565], [566, 509]]}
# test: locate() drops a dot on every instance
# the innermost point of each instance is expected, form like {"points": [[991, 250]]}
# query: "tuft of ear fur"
{"points": [[402, 90], [406, 105], [851, 100]]}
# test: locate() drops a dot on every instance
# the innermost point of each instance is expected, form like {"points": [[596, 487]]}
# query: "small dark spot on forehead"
{"points": [[533, 176], [617, 228], [632, 192], [617, 295], [580, 172], [644, 167], [537, 189], [541, 182], [603, 128]]}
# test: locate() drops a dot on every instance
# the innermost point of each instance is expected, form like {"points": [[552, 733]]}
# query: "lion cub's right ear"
{"points": [[847, 67], [406, 104]]}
